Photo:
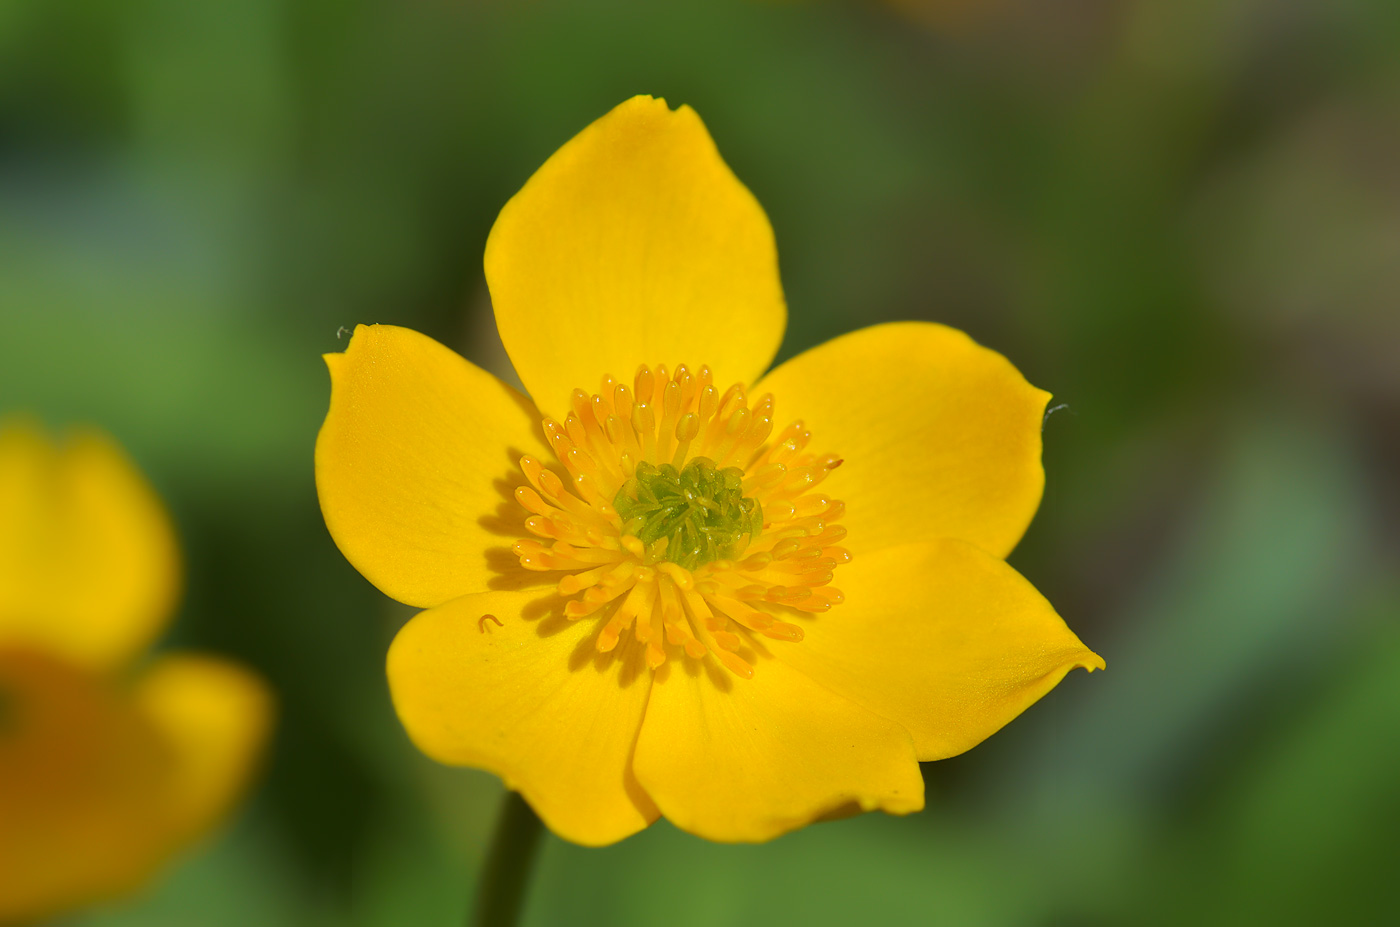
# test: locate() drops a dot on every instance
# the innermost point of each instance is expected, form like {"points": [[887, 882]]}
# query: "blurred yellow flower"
{"points": [[108, 766], [718, 676]]}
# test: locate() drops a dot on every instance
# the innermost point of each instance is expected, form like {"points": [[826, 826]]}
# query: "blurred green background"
{"points": [[1181, 217]]}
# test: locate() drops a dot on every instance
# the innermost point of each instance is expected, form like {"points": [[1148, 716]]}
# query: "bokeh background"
{"points": [[1181, 217]]}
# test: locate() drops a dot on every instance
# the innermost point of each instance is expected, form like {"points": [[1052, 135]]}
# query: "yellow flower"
{"points": [[634, 611], [107, 766]]}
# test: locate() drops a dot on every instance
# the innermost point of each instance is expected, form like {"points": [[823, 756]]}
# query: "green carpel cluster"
{"points": [[692, 516]]}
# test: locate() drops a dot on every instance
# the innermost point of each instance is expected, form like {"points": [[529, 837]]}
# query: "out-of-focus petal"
{"points": [[83, 779], [214, 717], [88, 560]]}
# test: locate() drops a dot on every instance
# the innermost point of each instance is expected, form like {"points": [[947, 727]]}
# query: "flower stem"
{"points": [[500, 896]]}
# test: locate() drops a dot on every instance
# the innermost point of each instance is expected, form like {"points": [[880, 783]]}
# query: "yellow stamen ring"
{"points": [[683, 516]]}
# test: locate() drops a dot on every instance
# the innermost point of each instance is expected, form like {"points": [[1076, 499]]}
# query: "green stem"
{"points": [[500, 896]]}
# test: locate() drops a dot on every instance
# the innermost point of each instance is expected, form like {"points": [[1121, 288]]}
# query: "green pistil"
{"points": [[693, 516]]}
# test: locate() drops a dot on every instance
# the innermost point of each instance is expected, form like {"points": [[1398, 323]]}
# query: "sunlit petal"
{"points": [[634, 243], [939, 437], [946, 640], [411, 463], [744, 760], [497, 682]]}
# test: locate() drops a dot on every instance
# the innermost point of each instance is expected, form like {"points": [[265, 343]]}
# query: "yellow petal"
{"points": [[88, 559], [745, 760], [214, 717], [529, 699], [416, 463], [82, 780], [634, 243], [940, 437], [942, 638]]}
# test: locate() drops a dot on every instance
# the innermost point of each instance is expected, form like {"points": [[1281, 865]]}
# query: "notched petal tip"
{"points": [[1094, 662], [340, 362], [645, 103]]}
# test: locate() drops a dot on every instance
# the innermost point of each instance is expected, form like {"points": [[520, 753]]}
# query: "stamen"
{"points": [[678, 515]]}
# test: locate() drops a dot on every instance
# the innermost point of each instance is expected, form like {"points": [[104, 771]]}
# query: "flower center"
{"points": [[688, 517], [670, 483]]}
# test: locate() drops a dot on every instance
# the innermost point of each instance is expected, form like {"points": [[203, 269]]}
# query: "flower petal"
{"points": [[745, 760], [412, 465], [214, 717], [525, 695], [944, 639], [82, 779], [940, 437], [88, 560], [634, 243]]}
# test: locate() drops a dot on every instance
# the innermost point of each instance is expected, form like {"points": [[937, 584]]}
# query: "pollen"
{"points": [[682, 518]]}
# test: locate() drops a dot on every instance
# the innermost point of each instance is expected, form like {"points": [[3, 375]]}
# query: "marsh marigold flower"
{"points": [[109, 763], [669, 583]]}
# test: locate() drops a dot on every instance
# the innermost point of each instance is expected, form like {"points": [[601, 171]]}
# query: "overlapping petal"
{"points": [[634, 243], [213, 717], [98, 784], [88, 560], [524, 694], [82, 787], [744, 760], [941, 637], [940, 436], [412, 465]]}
